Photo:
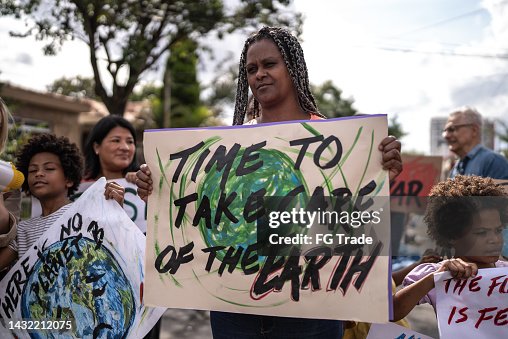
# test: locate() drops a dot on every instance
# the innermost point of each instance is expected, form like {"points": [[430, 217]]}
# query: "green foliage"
{"points": [[16, 139], [395, 128], [130, 36], [182, 65], [79, 87], [153, 94], [186, 108], [330, 102]]}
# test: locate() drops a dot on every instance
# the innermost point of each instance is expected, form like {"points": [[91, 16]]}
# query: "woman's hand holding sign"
{"points": [[144, 182]]}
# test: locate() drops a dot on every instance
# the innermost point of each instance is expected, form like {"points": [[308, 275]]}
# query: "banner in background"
{"points": [[418, 175]]}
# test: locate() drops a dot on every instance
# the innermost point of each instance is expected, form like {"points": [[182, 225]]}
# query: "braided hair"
{"points": [[292, 53]]}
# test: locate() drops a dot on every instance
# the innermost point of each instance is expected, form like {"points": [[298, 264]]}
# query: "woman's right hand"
{"points": [[459, 269], [144, 182]]}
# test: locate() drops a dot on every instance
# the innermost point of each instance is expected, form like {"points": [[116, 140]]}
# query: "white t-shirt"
{"points": [[29, 231]]}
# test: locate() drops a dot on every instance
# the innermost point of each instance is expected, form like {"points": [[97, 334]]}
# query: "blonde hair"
{"points": [[4, 124]]}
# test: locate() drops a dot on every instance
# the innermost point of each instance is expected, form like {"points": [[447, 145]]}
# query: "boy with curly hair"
{"points": [[466, 214], [53, 169]]}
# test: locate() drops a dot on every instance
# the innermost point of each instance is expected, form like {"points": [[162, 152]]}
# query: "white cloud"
{"points": [[342, 41], [72, 60]]}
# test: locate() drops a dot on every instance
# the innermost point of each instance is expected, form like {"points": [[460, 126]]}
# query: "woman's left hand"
{"points": [[114, 191], [392, 161]]}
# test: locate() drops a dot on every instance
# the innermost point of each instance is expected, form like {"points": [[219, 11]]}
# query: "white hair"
{"points": [[470, 114]]}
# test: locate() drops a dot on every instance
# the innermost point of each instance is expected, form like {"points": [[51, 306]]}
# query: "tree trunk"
{"points": [[166, 99], [115, 105]]}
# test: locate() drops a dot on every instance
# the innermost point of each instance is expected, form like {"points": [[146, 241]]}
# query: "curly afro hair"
{"points": [[454, 203], [67, 152]]}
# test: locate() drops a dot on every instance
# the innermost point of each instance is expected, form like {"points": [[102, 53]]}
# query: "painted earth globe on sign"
{"points": [[79, 281], [276, 178]]}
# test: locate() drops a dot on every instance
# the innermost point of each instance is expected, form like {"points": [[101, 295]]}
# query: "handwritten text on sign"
{"points": [[202, 249], [473, 308], [418, 176], [87, 268]]}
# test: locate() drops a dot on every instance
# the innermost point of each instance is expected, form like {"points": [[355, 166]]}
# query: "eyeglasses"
{"points": [[454, 128]]}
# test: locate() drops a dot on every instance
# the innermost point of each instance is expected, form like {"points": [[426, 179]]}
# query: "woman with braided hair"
{"points": [[273, 66], [284, 66]]}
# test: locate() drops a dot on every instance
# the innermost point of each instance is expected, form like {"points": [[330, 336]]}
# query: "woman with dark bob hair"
{"points": [[110, 150]]}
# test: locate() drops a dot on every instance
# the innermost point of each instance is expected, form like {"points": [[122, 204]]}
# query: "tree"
{"points": [[79, 87], [18, 134], [153, 94], [222, 91], [395, 128], [186, 108], [330, 102], [132, 35]]}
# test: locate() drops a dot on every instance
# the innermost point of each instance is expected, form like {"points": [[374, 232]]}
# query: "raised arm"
{"points": [[408, 297], [392, 161]]}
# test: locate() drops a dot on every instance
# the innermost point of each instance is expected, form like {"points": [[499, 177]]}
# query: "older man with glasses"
{"points": [[462, 132]]}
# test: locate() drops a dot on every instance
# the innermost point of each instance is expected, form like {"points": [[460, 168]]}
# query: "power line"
{"points": [[442, 22], [445, 21], [442, 43], [444, 53]]}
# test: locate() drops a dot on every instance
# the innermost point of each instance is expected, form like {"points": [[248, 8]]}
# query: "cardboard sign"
{"points": [[393, 331], [473, 308], [202, 250], [82, 278], [418, 175]]}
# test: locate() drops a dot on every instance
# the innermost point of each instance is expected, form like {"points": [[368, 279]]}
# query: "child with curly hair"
{"points": [[53, 168], [468, 214]]}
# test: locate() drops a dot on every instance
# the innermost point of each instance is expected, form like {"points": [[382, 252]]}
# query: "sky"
{"points": [[416, 59]]}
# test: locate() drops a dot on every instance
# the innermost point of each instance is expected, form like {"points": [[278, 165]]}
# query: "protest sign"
{"points": [[418, 175], [202, 242], [133, 205], [83, 278], [476, 307], [393, 331]]}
